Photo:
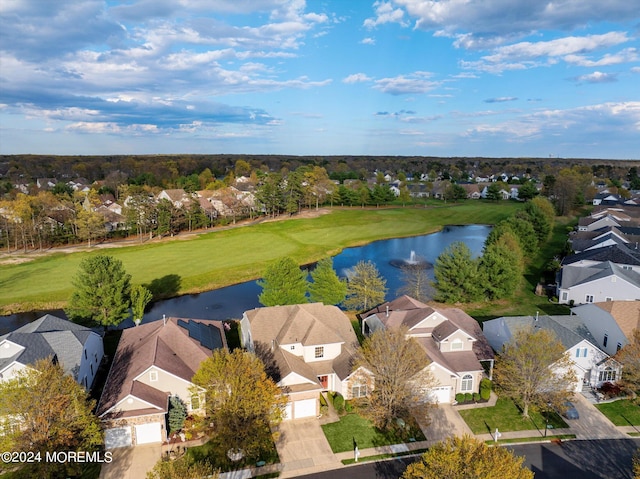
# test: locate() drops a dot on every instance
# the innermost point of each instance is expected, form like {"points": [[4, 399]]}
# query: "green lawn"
{"points": [[353, 427], [623, 412], [221, 258], [506, 416]]}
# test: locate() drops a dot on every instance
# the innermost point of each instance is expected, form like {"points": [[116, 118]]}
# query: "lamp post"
{"points": [[546, 419]]}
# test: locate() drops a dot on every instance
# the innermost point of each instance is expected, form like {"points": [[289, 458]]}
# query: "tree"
{"points": [[629, 356], [365, 287], [283, 283], [415, 282], [405, 195], [140, 297], [89, 224], [528, 191], [326, 287], [467, 458], [501, 267], [242, 402], [177, 414], [182, 468], [49, 411], [400, 381], [493, 192], [102, 289], [456, 274], [534, 370]]}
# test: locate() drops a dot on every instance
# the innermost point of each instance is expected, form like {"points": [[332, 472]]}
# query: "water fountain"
{"points": [[414, 261]]}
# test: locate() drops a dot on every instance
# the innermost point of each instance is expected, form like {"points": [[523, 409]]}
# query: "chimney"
{"points": [[387, 310]]}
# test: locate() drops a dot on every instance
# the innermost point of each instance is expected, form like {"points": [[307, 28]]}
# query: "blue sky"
{"points": [[401, 77]]}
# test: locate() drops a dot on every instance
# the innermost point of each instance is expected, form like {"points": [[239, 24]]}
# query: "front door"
{"points": [[324, 380]]}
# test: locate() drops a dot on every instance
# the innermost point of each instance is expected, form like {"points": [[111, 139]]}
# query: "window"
{"points": [[605, 340], [456, 345], [618, 347], [195, 402], [91, 366], [607, 375], [589, 298], [613, 279], [85, 354], [467, 383], [626, 266], [95, 355], [359, 391], [319, 352], [565, 296], [608, 298], [153, 375], [293, 347]]}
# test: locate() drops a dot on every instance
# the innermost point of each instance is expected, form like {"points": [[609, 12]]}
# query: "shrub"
{"points": [[323, 401], [330, 397], [476, 397], [338, 403], [460, 398], [324, 409], [485, 389], [468, 397], [611, 390], [348, 407]]}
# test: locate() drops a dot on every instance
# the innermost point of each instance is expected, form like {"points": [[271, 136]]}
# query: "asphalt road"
{"points": [[602, 459]]}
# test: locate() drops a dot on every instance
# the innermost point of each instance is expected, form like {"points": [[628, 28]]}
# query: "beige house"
{"points": [[312, 347], [452, 340], [153, 362]]}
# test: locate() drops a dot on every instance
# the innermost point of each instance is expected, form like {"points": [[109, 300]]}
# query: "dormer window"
{"points": [[456, 345], [319, 352]]}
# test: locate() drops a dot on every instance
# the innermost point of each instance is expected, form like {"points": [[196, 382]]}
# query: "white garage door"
{"points": [[441, 395], [117, 437], [304, 408], [148, 433], [287, 411]]}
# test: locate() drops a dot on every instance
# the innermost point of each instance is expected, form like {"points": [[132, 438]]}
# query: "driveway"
{"points": [[131, 462], [445, 421], [592, 423], [303, 448]]}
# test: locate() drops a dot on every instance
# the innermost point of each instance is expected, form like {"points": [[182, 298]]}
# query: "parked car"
{"points": [[570, 412]]}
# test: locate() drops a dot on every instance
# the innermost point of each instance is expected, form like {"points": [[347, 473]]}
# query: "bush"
{"points": [[177, 414], [460, 398], [338, 403], [323, 401], [330, 397], [476, 397], [348, 407], [485, 389], [324, 409], [468, 397], [611, 390]]}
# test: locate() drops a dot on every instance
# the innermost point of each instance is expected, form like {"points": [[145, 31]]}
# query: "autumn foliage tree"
{"points": [[534, 370], [242, 402], [629, 356], [366, 287], [43, 409], [467, 458]]}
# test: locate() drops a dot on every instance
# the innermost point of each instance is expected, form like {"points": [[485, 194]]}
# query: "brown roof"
{"points": [[625, 313], [163, 344], [457, 362]]}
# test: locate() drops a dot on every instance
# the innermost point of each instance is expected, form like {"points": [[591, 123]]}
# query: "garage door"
{"points": [[441, 395], [148, 433], [287, 411], [117, 437], [304, 408]]}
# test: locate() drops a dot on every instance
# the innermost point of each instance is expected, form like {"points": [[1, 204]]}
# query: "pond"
{"points": [[232, 301]]}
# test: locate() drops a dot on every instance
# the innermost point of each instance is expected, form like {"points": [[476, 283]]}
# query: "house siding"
{"points": [[167, 382], [89, 366], [602, 290], [599, 323]]}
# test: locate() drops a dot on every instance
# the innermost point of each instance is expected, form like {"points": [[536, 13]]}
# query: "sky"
{"points": [[491, 78]]}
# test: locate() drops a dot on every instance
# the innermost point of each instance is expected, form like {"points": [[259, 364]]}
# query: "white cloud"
{"points": [[501, 99], [368, 41], [385, 13], [625, 56], [356, 78], [635, 69], [414, 83], [597, 77]]}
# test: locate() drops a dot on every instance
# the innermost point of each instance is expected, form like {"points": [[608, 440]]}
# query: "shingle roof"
{"points": [[625, 313], [163, 344], [616, 253], [575, 275], [50, 336]]}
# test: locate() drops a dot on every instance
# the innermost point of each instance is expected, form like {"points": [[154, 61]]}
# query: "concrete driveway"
{"points": [[592, 423], [131, 462], [303, 448]]}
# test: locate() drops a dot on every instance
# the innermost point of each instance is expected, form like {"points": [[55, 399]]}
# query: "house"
{"points": [[604, 281], [153, 362], [313, 347], [606, 236], [611, 322], [618, 253], [78, 349], [591, 365], [453, 342], [178, 197], [472, 189]]}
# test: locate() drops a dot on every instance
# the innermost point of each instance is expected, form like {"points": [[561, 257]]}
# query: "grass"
{"points": [[378, 457], [224, 257], [353, 427], [506, 416], [623, 412], [533, 439]]}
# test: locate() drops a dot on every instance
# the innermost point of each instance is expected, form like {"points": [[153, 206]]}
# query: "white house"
{"points": [[313, 346], [611, 323], [452, 340], [605, 281], [78, 349], [591, 365]]}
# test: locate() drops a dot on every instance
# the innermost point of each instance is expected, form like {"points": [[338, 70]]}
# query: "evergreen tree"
{"points": [[326, 287], [177, 414], [365, 288], [283, 283], [102, 289], [140, 297], [457, 277], [501, 267]]}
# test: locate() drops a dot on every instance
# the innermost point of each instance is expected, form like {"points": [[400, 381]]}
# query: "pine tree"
{"points": [[326, 287], [457, 277], [501, 267], [283, 283], [366, 288]]}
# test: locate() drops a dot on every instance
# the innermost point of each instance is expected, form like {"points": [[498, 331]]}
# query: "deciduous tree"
{"points": [[326, 287], [456, 274], [365, 287], [102, 289], [534, 370], [242, 402], [283, 283], [467, 458], [629, 356], [415, 282], [45, 410], [400, 381], [182, 468]]}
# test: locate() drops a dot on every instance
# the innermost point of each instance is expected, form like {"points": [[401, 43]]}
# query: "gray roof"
{"points": [[617, 253], [49, 336], [575, 275], [569, 329]]}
